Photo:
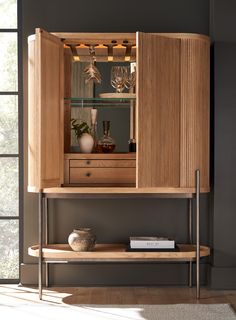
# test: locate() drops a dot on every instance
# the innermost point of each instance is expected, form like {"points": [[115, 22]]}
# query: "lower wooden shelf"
{"points": [[114, 252]]}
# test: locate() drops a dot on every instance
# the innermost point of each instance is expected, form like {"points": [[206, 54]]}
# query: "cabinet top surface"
{"points": [[128, 36], [87, 37]]}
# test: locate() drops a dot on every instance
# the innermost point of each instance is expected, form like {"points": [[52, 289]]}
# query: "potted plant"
{"points": [[82, 132]]}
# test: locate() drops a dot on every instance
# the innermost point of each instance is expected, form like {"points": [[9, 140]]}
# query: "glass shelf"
{"points": [[99, 102]]}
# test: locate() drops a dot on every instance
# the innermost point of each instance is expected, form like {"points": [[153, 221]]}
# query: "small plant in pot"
{"points": [[82, 132]]}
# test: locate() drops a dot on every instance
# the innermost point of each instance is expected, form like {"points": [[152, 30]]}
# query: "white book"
{"points": [[149, 238], [151, 243]]}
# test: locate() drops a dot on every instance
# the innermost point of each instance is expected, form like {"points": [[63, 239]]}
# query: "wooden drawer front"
{"points": [[102, 175], [102, 163]]}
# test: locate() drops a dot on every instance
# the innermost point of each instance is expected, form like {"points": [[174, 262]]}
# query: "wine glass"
{"points": [[91, 72], [131, 78], [119, 76]]}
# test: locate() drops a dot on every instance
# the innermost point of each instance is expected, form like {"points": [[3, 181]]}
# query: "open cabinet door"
{"points": [[158, 111], [45, 111]]}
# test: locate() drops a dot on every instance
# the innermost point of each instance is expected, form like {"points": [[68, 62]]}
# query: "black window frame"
{"points": [[19, 155]]}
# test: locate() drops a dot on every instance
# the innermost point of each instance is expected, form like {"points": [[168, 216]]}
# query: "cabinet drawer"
{"points": [[102, 175], [87, 163]]}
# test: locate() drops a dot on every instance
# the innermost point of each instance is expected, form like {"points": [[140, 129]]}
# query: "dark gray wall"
{"points": [[223, 20], [111, 219], [110, 16], [225, 174], [223, 26], [225, 151]]}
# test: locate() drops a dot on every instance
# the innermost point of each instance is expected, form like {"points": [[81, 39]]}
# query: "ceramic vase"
{"points": [[82, 239], [86, 143]]}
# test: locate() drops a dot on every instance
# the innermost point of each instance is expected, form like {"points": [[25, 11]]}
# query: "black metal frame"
{"points": [[18, 93], [43, 231]]}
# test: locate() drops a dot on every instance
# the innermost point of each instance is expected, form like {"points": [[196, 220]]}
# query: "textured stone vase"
{"points": [[82, 239]]}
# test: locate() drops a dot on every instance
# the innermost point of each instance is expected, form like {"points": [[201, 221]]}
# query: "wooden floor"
{"points": [[10, 294]]}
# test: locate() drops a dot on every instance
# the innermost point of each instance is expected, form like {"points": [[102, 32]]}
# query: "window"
{"points": [[9, 142]]}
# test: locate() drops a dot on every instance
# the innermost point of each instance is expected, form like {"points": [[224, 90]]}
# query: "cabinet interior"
{"points": [[108, 47], [119, 166]]}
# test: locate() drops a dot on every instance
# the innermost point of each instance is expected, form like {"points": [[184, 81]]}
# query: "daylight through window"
{"points": [[9, 153]]}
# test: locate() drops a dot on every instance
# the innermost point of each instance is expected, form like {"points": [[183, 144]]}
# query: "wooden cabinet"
{"points": [[171, 129], [98, 169], [172, 111]]}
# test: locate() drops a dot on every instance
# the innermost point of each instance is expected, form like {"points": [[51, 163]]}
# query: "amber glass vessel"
{"points": [[106, 144]]}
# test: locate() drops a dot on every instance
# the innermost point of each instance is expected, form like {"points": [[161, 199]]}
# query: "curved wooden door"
{"points": [[45, 111], [158, 111], [195, 112]]}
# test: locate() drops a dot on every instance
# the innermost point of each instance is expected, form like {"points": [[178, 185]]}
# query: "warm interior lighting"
{"points": [[76, 58], [124, 50], [82, 46], [100, 46], [128, 52], [119, 46], [74, 53], [110, 52]]}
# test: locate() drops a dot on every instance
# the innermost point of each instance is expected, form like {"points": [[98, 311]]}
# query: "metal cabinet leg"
{"points": [[198, 233], [40, 261], [46, 239], [190, 217]]}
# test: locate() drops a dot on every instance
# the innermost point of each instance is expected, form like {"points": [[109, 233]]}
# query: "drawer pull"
{"points": [[88, 174], [88, 162]]}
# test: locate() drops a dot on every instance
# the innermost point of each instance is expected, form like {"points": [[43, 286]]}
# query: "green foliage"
{"points": [[79, 127], [9, 249], [8, 61], [8, 124], [8, 10], [9, 187], [9, 267]]}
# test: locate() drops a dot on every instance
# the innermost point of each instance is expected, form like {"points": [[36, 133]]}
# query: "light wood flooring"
{"points": [[13, 294]]}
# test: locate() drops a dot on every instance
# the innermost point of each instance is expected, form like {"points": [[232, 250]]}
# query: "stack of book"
{"points": [[151, 243]]}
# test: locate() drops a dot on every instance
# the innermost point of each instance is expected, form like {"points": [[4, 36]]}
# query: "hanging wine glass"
{"points": [[91, 72], [119, 76]]}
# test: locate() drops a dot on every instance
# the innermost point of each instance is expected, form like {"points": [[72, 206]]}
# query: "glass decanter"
{"points": [[106, 144]]}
